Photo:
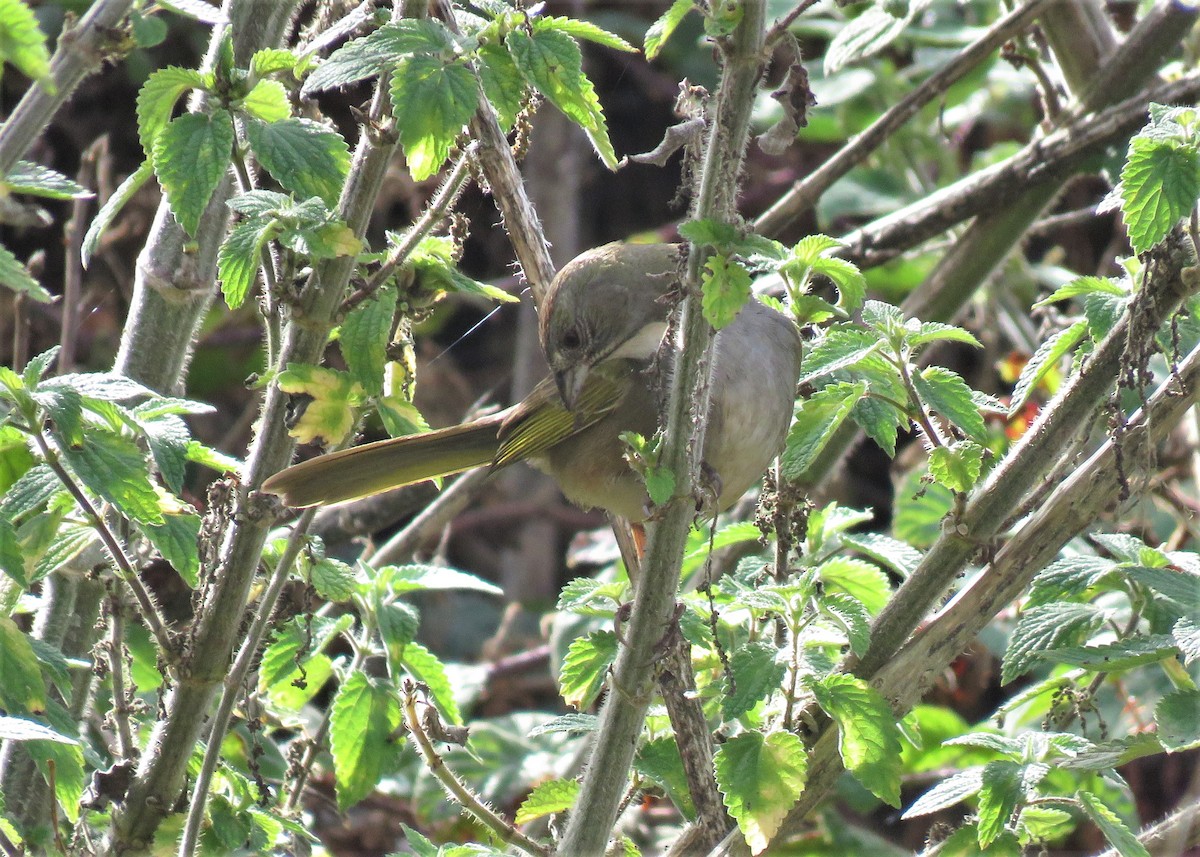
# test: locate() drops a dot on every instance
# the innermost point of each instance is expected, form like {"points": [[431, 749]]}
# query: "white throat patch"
{"points": [[643, 344]]}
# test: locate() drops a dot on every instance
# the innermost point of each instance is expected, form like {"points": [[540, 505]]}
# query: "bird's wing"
{"points": [[541, 420]]}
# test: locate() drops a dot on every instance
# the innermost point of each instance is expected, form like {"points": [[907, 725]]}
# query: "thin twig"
{"points": [[116, 668], [781, 25], [73, 275]]}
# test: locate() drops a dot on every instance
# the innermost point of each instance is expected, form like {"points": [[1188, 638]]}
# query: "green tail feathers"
{"points": [[386, 464]]}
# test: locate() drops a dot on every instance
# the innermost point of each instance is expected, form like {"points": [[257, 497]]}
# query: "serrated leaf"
{"points": [[502, 82], [707, 232], [271, 61], [567, 724], [1004, 784], [1177, 584], [850, 282], [156, 101], [761, 778], [946, 393], [364, 715], [302, 155], [659, 760], [114, 468], [817, 419], [756, 674], [292, 649], [176, 539], [36, 180], [660, 485], [333, 580], [868, 737], [1160, 183], [585, 30], [1045, 627], [22, 690], [1186, 635], [1118, 834], [401, 579], [727, 287], [378, 52], [1178, 717], [69, 542], [936, 331], [239, 256], [32, 491], [329, 415], [867, 35], [553, 65], [1068, 578], [851, 616], [1083, 286], [1044, 361], [662, 29], [839, 349], [191, 156], [15, 276], [857, 578], [954, 789], [20, 729], [899, 556], [1114, 657], [957, 466], [585, 667], [112, 208], [12, 561], [108, 386], [432, 101], [364, 339], [268, 101], [168, 438], [23, 43], [424, 666], [546, 798]]}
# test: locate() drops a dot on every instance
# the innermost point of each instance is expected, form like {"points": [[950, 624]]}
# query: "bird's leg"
{"points": [[631, 542], [707, 491]]}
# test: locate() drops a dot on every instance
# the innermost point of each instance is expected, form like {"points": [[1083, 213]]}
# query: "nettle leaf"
{"points": [[1177, 584], [22, 690], [378, 52], [177, 540], [12, 561], [857, 578], [547, 798], [23, 43], [727, 288], [957, 466], [899, 556], [271, 61], [1004, 784], [585, 667], [432, 100], [1186, 635], [1178, 719], [661, 30], [329, 416], [1068, 578], [268, 101], [851, 616], [1118, 834], [839, 349], [756, 673], [302, 155], [553, 65], [946, 393], [114, 468], [1117, 656], [191, 156], [817, 419], [156, 101], [503, 84], [1044, 361], [1045, 627], [293, 647], [761, 778], [333, 580], [364, 339], [108, 212], [659, 761], [1080, 286], [425, 667], [433, 262], [954, 789], [868, 34], [15, 276], [402, 579], [936, 331], [1160, 183], [239, 257], [36, 180], [364, 715], [585, 30], [868, 737]]}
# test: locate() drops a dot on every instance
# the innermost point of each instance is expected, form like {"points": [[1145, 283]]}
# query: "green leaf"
{"points": [[333, 580], [867, 35], [585, 667], [947, 394], [1159, 185], [660, 484], [851, 616], [957, 466], [727, 288], [756, 674], [1177, 584], [503, 84], [998, 796], [1115, 657], [899, 556], [424, 666], [659, 760], [378, 52], [268, 101], [36, 180], [553, 64], [22, 42], [1083, 286], [364, 339], [22, 690], [114, 468], [32, 491], [1178, 719], [69, 542], [433, 262], [156, 101], [20, 729], [239, 257], [191, 156], [292, 648], [302, 155], [68, 775], [176, 539], [868, 738], [1045, 627], [954, 789], [271, 61], [364, 715], [850, 282], [1068, 578], [548, 797], [1043, 362], [936, 331], [839, 349], [15, 276], [112, 208], [401, 579], [857, 578], [761, 778], [12, 561], [329, 415], [567, 724], [432, 101], [1118, 834], [662, 29], [1186, 635], [817, 419], [585, 30]]}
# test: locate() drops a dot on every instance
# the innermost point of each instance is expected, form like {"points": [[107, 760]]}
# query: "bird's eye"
{"points": [[571, 339]]}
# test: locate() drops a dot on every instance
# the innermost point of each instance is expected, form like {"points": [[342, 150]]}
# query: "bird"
{"points": [[603, 327]]}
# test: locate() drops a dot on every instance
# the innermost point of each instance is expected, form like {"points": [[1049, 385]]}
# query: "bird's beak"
{"points": [[570, 384]]}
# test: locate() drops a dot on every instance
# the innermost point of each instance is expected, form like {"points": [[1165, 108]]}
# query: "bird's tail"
{"points": [[386, 464]]}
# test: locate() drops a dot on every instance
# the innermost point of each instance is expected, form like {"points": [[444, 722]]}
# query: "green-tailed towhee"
{"points": [[602, 326]]}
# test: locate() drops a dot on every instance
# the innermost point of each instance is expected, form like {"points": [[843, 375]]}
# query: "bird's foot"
{"points": [[707, 492]]}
